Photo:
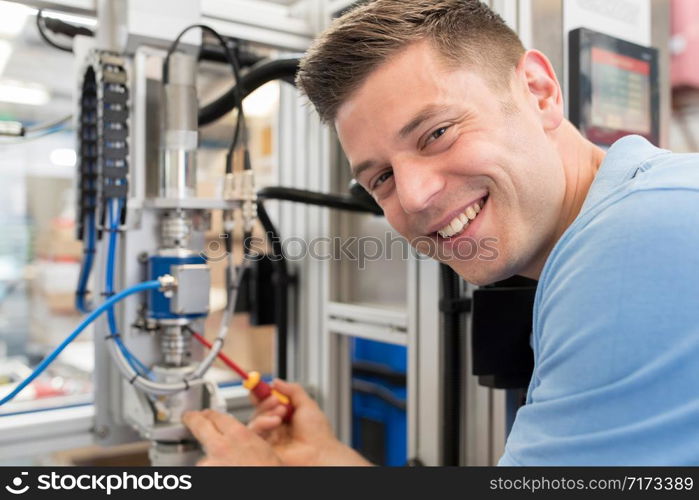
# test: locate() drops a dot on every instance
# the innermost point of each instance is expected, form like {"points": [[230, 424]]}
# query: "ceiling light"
{"points": [[16, 92], [12, 18], [63, 157]]}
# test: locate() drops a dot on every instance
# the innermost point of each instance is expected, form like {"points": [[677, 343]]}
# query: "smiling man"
{"points": [[459, 133]]}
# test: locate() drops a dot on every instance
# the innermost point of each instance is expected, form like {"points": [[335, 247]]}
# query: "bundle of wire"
{"points": [[114, 209]]}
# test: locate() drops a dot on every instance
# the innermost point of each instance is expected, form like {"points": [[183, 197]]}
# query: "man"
{"points": [[458, 132]]}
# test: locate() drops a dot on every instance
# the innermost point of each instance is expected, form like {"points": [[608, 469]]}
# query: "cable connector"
{"points": [[168, 284], [11, 129], [240, 187], [230, 191], [249, 197]]}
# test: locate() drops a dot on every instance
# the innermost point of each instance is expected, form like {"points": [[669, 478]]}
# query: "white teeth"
{"points": [[461, 221]]}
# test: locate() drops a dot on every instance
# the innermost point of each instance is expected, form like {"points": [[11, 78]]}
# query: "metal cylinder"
{"points": [[112, 31], [174, 345], [175, 229], [179, 140]]}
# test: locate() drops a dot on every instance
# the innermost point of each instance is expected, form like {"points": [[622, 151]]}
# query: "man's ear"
{"points": [[542, 87]]}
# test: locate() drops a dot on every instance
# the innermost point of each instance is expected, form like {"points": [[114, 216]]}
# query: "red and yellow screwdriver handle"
{"points": [[262, 391]]}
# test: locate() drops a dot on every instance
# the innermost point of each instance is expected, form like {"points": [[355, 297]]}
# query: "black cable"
{"points": [[379, 370], [40, 27], [240, 128], [261, 73], [379, 391], [214, 53], [452, 376], [341, 202], [63, 28], [281, 289]]}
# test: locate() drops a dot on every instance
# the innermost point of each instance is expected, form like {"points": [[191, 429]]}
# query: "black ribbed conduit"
{"points": [[258, 75]]}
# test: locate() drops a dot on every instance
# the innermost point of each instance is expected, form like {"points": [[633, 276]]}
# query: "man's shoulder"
{"points": [[661, 197], [642, 221], [634, 164], [644, 234], [668, 171]]}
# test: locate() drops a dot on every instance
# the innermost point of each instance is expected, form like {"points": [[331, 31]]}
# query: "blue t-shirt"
{"points": [[616, 322]]}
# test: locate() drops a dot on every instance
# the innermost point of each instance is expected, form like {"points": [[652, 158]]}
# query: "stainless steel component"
{"points": [[111, 27], [175, 345], [249, 197], [180, 137], [175, 229], [177, 170], [239, 187], [194, 203], [167, 283], [192, 295]]}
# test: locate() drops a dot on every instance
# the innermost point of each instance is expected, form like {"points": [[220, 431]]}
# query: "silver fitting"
{"points": [[240, 187], [176, 229], [249, 197], [168, 284]]}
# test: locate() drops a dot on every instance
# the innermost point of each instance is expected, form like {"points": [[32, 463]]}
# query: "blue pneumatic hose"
{"points": [[148, 285], [113, 217], [86, 268]]}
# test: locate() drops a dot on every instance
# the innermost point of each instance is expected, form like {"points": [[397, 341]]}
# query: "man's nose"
{"points": [[416, 184]]}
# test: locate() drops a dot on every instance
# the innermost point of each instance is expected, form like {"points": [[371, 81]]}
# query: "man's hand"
{"points": [[308, 438], [226, 441]]}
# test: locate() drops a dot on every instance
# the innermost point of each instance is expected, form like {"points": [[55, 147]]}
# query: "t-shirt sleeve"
{"points": [[616, 334]]}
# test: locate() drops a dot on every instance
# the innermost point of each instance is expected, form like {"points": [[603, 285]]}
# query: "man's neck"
{"points": [[581, 160]]}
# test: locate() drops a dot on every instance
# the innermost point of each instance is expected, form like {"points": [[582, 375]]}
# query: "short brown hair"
{"points": [[462, 31]]}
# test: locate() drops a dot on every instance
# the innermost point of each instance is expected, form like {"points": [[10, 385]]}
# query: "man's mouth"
{"points": [[460, 222]]}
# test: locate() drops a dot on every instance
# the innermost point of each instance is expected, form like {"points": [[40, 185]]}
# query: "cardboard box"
{"points": [[251, 347], [59, 243]]}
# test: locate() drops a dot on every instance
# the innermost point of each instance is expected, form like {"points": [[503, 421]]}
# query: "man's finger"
{"points": [[264, 423], [295, 392], [224, 423], [269, 403], [202, 428]]}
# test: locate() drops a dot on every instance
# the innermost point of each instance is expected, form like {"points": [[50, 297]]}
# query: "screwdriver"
{"points": [[252, 381]]}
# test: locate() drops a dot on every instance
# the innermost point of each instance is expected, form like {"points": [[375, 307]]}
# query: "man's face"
{"points": [[428, 142]]}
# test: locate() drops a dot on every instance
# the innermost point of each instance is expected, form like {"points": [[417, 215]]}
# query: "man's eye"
{"points": [[381, 179], [438, 133], [435, 135]]}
